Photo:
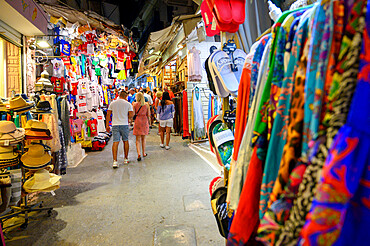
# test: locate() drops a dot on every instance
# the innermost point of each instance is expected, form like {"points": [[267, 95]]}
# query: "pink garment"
{"points": [[52, 124], [141, 126]]}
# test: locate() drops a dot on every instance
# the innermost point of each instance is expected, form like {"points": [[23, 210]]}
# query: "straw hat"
{"points": [[2, 106], [8, 131], [44, 82], [29, 124], [7, 153], [36, 156], [18, 103], [42, 180]]}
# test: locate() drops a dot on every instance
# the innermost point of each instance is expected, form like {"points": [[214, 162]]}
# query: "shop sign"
{"points": [[32, 12]]}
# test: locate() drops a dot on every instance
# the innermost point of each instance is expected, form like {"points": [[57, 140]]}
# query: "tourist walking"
{"points": [[166, 112], [121, 111], [141, 125]]}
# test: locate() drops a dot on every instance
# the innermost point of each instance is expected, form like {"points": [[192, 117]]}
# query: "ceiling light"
{"points": [[180, 46], [43, 44], [151, 51], [180, 53]]}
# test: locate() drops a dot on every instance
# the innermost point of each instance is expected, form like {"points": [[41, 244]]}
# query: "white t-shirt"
{"points": [[150, 100], [81, 104], [101, 118], [120, 109], [58, 68]]}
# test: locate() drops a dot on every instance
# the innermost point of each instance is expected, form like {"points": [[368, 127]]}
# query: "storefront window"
{"points": [[10, 69]]}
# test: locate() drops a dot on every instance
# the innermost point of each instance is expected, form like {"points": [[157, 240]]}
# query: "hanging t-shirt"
{"points": [[58, 84], [82, 86], [103, 60], [94, 94], [104, 76], [77, 126], [90, 49], [58, 68], [93, 126], [73, 87], [65, 48], [81, 103], [101, 121], [121, 60]]}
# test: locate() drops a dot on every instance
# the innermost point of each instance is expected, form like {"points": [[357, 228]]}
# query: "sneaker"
{"points": [[168, 147], [161, 145], [115, 164], [126, 161]]}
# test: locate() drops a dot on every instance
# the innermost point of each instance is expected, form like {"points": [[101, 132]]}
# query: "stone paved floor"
{"points": [[162, 200]]}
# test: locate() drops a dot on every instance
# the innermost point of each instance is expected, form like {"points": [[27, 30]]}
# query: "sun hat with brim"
{"points": [[8, 131], [36, 156], [35, 168], [51, 188], [29, 124], [18, 103], [35, 133], [42, 107], [41, 180], [7, 153], [39, 126]]}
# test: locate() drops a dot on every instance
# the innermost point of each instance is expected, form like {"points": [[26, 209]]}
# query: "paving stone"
{"points": [[179, 235]]}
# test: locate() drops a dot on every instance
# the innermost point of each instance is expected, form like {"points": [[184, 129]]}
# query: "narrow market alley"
{"points": [[162, 200]]}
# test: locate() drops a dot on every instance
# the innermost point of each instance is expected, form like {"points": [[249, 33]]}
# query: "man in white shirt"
{"points": [[122, 111], [148, 97]]}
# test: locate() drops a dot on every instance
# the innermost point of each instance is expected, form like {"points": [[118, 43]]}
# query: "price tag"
{"points": [[6, 143], [52, 193]]}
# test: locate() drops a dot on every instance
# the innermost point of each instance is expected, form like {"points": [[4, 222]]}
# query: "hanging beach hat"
{"points": [[19, 104], [42, 107], [42, 180], [36, 157], [9, 132]]}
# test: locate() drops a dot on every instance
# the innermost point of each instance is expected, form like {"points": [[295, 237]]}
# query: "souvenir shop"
{"points": [[53, 104], [292, 135]]}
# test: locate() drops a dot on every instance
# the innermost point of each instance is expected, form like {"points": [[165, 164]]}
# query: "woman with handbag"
{"points": [[141, 125]]}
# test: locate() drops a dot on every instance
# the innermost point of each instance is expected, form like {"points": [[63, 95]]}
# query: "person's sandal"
{"points": [[139, 158], [145, 155]]}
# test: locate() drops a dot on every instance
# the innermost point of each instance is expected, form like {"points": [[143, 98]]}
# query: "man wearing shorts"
{"points": [[122, 111]]}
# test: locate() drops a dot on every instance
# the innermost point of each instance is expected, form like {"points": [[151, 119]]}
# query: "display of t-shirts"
{"points": [[58, 84], [194, 65], [93, 126], [81, 103], [101, 121], [58, 68]]}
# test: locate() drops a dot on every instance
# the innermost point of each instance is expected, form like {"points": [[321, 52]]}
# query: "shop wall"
{"points": [[202, 85]]}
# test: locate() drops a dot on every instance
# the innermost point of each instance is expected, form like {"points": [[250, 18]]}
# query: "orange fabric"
{"points": [[242, 108]]}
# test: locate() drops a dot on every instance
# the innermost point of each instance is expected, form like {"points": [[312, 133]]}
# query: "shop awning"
{"points": [[63, 14], [25, 16]]}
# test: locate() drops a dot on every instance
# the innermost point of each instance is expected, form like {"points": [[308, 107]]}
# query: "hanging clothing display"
{"points": [[284, 175], [194, 65], [198, 126]]}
